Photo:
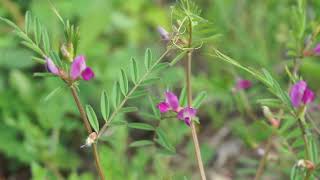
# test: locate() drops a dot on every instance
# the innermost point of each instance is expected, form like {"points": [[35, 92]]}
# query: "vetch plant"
{"points": [[71, 68]]}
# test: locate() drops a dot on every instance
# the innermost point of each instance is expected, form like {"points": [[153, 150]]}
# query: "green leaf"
{"points": [[27, 22], [163, 140], [141, 143], [44, 74], [134, 70], [178, 58], [10, 23], [160, 66], [153, 107], [32, 47], [138, 93], [104, 105], [142, 126], [199, 99], [118, 123], [128, 109], [37, 31], [92, 118], [124, 85], [115, 95], [150, 81], [183, 97], [46, 41], [148, 59], [38, 60], [52, 93]]}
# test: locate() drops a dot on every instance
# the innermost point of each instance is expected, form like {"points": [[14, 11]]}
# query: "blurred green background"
{"points": [[40, 138]]}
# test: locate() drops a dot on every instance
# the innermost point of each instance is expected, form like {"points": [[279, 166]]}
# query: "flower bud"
{"points": [[306, 164], [163, 33], [90, 140], [266, 112], [67, 51], [269, 115]]}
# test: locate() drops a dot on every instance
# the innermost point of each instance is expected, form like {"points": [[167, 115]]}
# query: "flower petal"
{"points": [[243, 84], [52, 67], [297, 92], [172, 100], [190, 112], [187, 120], [180, 114], [163, 33], [163, 107], [317, 49], [77, 66], [308, 96], [87, 74]]}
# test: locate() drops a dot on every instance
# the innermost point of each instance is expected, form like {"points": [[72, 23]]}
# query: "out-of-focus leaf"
{"points": [[141, 143], [142, 126]]}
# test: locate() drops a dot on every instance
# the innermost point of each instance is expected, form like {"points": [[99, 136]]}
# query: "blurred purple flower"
{"points": [[79, 68], [187, 114], [163, 33], [300, 94], [52, 67], [243, 84], [171, 103], [316, 50]]}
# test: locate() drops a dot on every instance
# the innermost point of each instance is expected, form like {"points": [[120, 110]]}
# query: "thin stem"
{"points": [[306, 145], [89, 130], [116, 111], [264, 159], [189, 95]]}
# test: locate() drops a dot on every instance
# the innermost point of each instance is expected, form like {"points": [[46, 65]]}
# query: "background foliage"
{"points": [[40, 138]]}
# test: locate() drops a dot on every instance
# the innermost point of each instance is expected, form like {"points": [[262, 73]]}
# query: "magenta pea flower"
{"points": [[242, 84], [300, 94], [186, 114], [316, 50], [79, 68], [171, 103]]}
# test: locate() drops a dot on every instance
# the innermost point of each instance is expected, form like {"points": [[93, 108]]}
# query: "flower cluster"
{"points": [[300, 94], [171, 103], [78, 69], [316, 50]]}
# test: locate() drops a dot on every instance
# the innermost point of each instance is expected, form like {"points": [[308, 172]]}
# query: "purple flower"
{"points": [[52, 67], [163, 33], [243, 84], [316, 50], [171, 103], [187, 114], [79, 68], [300, 94]]}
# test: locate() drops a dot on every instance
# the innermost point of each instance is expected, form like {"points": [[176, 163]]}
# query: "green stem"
{"points": [[189, 95], [118, 108], [89, 130]]}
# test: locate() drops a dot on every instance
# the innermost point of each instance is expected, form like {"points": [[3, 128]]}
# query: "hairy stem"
{"points": [[125, 99], [264, 159], [89, 130], [189, 96]]}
